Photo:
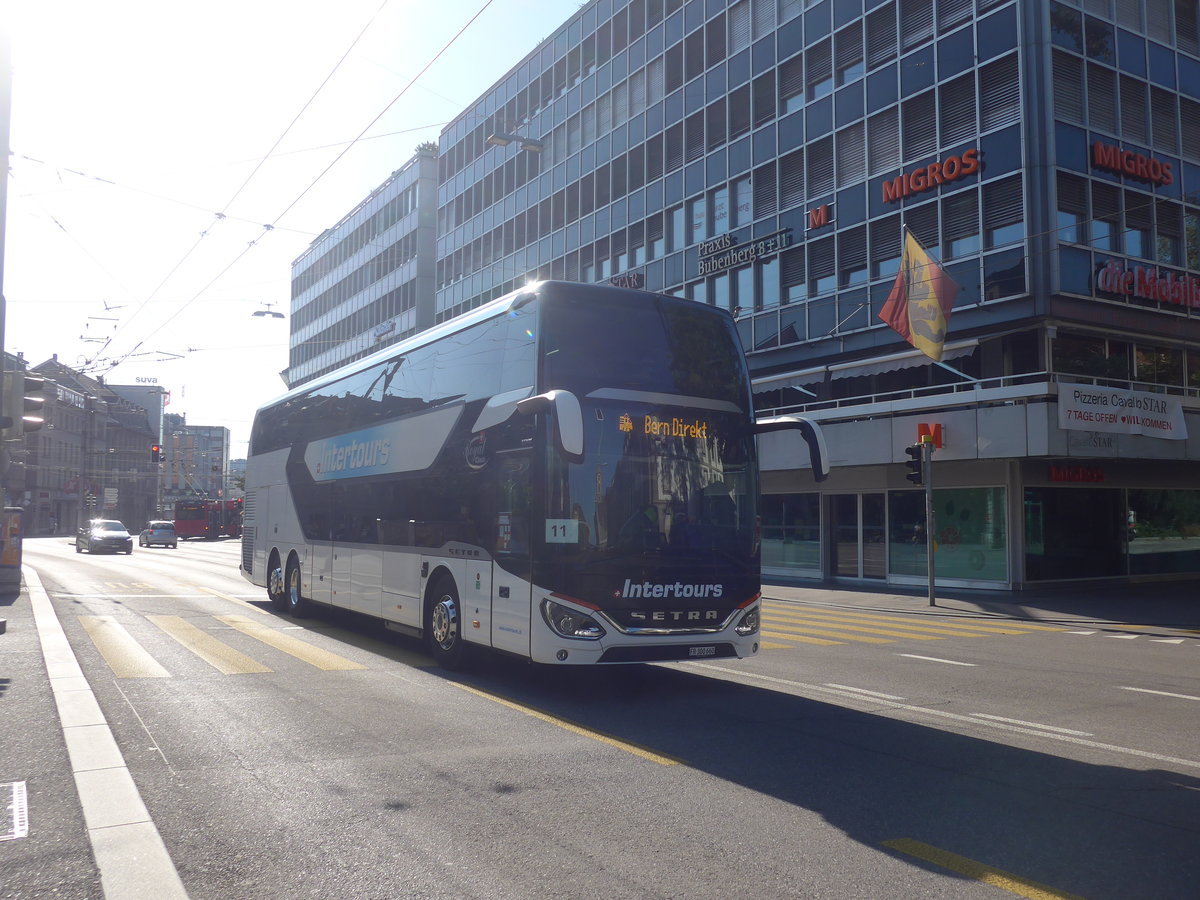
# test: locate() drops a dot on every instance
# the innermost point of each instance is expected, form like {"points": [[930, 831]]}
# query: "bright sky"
{"points": [[136, 122]]}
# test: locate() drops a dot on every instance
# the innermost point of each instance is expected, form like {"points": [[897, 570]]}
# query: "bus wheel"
{"points": [[296, 604], [276, 586], [443, 625]]}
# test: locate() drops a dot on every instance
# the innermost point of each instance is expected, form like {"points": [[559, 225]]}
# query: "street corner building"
{"points": [[773, 158]]}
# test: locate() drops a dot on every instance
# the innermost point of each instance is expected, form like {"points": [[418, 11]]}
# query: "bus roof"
{"points": [[490, 310]]}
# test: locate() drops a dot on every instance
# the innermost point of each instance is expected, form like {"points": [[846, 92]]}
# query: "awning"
{"points": [[908, 359]]}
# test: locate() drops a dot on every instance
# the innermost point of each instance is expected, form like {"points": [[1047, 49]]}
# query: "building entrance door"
{"points": [[857, 537]]}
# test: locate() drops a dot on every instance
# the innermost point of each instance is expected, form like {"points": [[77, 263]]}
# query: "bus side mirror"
{"points": [[810, 431], [568, 419]]}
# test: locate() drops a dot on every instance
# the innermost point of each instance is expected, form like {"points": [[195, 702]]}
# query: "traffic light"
{"points": [[34, 401], [915, 464], [155, 453]]}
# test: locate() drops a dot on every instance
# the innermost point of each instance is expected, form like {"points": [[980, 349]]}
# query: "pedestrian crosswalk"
{"points": [[133, 647], [789, 625]]}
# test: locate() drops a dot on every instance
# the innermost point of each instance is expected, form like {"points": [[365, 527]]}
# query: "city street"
{"points": [[877, 747]]}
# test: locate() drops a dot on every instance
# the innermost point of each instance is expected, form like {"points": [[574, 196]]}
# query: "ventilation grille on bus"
{"points": [[248, 548]]}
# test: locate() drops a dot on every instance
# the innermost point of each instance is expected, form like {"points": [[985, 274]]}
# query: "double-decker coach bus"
{"points": [[567, 473]]}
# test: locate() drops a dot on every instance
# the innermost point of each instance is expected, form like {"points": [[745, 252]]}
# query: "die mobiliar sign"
{"points": [[1148, 283]]}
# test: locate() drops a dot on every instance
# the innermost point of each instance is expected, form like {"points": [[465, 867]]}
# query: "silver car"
{"points": [[158, 532]]}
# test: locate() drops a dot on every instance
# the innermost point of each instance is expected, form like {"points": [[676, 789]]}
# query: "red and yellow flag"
{"points": [[918, 307]]}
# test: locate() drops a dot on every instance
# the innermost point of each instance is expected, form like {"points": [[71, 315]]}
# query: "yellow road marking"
{"points": [[840, 635], [804, 640], [851, 626], [1006, 881], [893, 628], [660, 758], [219, 655], [1006, 627], [302, 650], [233, 599], [125, 656], [772, 645]]}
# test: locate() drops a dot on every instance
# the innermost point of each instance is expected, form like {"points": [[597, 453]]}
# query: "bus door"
{"points": [[511, 587]]}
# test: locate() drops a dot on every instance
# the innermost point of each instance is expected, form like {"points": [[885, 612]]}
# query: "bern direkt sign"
{"points": [[1129, 163], [1147, 283], [928, 177]]}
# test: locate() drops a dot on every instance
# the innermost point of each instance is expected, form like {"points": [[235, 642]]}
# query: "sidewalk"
{"points": [[1174, 604]]}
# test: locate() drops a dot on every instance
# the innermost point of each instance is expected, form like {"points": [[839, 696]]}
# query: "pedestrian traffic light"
{"points": [[915, 464], [34, 402], [155, 453]]}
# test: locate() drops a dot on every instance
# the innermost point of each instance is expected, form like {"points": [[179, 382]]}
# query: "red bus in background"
{"points": [[208, 518]]}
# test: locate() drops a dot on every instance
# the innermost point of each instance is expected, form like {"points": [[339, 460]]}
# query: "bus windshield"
{"points": [[667, 488]]}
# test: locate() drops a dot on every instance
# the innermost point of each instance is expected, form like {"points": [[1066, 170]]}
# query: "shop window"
{"points": [[972, 533], [791, 531], [1074, 532], [1161, 527]]}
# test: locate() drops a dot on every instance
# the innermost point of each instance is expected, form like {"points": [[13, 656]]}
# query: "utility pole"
{"points": [[930, 523]]}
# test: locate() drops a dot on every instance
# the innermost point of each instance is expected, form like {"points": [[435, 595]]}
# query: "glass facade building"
{"points": [[764, 156], [367, 281]]}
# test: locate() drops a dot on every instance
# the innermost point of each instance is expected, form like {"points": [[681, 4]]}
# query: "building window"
{"points": [[697, 220], [1003, 212], [1072, 209], [720, 210]]}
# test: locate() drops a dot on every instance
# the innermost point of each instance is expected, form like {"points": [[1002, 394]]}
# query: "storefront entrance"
{"points": [[857, 536]]}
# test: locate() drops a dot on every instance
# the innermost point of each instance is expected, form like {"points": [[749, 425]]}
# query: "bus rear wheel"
{"points": [[297, 605], [443, 625]]}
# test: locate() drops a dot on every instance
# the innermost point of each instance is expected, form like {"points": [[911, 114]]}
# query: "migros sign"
{"points": [[928, 177], [1133, 165]]}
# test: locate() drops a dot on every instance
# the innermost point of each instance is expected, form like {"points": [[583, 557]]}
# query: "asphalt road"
{"points": [[870, 751]]}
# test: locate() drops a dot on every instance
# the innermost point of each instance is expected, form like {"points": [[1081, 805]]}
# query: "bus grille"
{"points": [[248, 548]]}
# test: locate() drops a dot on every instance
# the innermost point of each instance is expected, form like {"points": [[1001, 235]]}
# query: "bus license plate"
{"points": [[702, 651]]}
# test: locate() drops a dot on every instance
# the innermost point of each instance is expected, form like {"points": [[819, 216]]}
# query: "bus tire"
{"points": [[444, 625], [297, 605], [276, 585]]}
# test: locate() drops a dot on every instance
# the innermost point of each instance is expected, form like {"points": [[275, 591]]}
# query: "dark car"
{"points": [[101, 535], [159, 531]]}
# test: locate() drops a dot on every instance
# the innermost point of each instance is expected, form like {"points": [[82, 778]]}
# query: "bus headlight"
{"points": [[748, 624], [570, 623]]}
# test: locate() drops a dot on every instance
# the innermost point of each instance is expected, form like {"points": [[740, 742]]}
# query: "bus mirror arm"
{"points": [[568, 419], [810, 431]]}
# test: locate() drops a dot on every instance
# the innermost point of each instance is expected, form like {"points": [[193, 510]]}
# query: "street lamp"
{"points": [[503, 139]]}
